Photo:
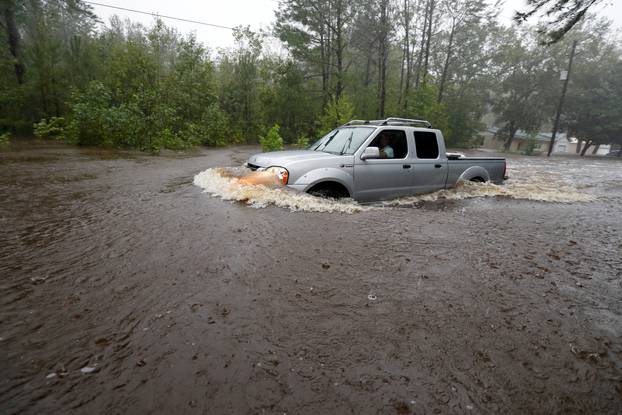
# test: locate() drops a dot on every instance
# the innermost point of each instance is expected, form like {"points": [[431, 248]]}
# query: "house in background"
{"points": [[563, 144]]}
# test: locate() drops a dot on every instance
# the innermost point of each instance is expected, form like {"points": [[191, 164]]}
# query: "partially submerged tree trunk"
{"points": [[587, 145], [511, 134], [577, 150], [596, 147]]}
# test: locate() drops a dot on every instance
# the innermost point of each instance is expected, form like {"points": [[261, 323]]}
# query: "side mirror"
{"points": [[370, 153]]}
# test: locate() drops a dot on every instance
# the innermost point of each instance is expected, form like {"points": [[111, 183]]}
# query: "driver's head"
{"points": [[384, 140]]}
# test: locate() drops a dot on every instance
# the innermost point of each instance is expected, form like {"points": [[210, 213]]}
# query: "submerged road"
{"points": [[127, 289]]}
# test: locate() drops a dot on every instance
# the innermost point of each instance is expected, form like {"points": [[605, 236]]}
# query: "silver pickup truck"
{"points": [[376, 160]]}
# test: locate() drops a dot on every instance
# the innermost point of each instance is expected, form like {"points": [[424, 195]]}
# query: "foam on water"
{"points": [[224, 183], [529, 185], [538, 190]]}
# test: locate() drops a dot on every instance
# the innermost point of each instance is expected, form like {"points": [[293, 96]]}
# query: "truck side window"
{"points": [[391, 143], [427, 145]]}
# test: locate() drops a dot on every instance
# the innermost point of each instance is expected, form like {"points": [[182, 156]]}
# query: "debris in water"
{"points": [[37, 280], [88, 369], [325, 265], [372, 297], [51, 375], [102, 341], [141, 363]]}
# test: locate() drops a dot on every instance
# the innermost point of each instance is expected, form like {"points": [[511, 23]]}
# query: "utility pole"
{"points": [[561, 99]]}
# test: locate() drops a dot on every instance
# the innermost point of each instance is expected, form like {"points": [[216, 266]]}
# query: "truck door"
{"points": [[429, 167], [390, 175]]}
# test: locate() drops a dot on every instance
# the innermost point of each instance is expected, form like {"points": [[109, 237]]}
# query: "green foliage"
{"points": [[336, 113], [5, 139], [530, 145], [423, 106], [213, 129], [272, 141], [98, 120], [302, 142], [128, 85], [53, 127]]}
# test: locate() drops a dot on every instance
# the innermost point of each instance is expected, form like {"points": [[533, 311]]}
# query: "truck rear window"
{"points": [[426, 144]]}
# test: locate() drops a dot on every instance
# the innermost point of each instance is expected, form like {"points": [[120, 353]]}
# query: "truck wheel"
{"points": [[478, 180], [329, 189]]}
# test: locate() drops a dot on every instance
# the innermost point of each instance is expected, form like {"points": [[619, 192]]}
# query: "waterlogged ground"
{"points": [[127, 288]]}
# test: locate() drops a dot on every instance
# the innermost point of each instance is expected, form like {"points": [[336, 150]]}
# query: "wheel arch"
{"points": [[475, 173], [329, 183]]}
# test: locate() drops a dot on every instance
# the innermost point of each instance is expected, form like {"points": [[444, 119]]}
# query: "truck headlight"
{"points": [[281, 174]]}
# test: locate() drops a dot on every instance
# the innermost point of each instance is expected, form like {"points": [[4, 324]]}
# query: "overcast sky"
{"points": [[256, 13]]}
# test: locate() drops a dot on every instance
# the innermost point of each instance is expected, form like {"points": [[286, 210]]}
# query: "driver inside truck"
{"points": [[386, 151]]}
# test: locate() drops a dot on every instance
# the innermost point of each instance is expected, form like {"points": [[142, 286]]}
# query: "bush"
{"points": [[95, 120], [423, 105], [272, 141], [212, 130], [4, 139], [336, 113], [168, 139], [50, 128], [530, 145], [302, 142]]}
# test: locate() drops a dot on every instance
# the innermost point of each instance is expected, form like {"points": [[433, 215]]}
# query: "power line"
{"points": [[159, 15]]}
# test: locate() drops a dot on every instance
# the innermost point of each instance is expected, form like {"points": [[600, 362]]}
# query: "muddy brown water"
{"points": [[125, 288]]}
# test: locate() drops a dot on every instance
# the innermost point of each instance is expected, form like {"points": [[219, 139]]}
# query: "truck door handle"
{"points": [[406, 166], [438, 166]]}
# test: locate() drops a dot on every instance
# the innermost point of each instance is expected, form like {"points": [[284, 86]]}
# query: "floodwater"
{"points": [[139, 284]]}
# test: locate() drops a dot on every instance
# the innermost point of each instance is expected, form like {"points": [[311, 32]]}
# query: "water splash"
{"points": [[540, 190], [226, 183], [230, 184]]}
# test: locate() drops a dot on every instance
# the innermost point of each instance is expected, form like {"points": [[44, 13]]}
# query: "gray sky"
{"points": [[256, 13]]}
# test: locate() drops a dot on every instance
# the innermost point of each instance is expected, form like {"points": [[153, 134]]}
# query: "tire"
{"points": [[330, 190]]}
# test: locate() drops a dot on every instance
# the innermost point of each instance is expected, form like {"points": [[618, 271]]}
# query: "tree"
{"points": [[521, 102], [558, 16], [240, 80], [318, 32], [13, 38], [336, 113]]}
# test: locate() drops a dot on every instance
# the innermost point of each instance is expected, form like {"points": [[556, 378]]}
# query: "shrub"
{"points": [[4, 139], [272, 141], [336, 113], [213, 129], [302, 142], [168, 139], [530, 145], [53, 127], [96, 120]]}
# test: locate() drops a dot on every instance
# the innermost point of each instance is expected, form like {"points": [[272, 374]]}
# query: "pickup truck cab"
{"points": [[377, 160]]}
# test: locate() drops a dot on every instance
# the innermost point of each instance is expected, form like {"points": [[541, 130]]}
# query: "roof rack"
{"points": [[392, 121], [406, 121]]}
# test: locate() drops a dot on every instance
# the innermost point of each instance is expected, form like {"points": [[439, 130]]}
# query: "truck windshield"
{"points": [[344, 140]]}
